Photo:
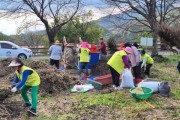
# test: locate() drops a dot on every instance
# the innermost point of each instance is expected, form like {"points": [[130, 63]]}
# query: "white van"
{"points": [[9, 49]]}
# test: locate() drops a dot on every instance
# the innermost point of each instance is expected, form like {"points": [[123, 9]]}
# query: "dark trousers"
{"points": [[81, 66], [115, 76], [102, 57], [147, 71], [137, 71], [56, 62]]}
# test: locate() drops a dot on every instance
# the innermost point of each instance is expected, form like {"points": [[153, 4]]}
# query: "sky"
{"points": [[9, 26]]}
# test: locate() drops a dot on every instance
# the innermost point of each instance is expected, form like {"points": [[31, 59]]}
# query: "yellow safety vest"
{"points": [[32, 80], [149, 59], [84, 55], [116, 61]]}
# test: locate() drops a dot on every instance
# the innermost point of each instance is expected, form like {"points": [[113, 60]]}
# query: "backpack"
{"points": [[164, 89]]}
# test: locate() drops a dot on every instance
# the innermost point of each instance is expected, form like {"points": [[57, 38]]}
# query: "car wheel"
{"points": [[22, 56]]}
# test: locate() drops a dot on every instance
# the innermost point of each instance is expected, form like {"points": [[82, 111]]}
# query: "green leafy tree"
{"points": [[81, 27], [144, 34], [3, 37]]}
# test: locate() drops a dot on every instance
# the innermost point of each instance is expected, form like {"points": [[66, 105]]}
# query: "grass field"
{"points": [[119, 105]]}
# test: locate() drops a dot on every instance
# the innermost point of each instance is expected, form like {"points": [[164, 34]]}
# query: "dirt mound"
{"points": [[4, 90], [53, 82], [4, 64], [100, 68], [39, 65]]}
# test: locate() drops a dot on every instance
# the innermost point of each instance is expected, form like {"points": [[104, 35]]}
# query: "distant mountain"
{"points": [[2, 34], [109, 20], [110, 24]]}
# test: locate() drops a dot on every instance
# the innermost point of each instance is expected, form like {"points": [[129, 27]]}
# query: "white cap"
{"points": [[14, 63]]}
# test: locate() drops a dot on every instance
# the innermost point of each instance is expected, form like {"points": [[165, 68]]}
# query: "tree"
{"points": [[52, 13], [170, 35], [3, 37], [82, 27], [149, 13]]}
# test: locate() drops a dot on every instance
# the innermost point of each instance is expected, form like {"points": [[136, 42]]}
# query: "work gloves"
{"points": [[14, 89]]}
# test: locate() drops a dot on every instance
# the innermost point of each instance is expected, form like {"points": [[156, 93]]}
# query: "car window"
{"points": [[7, 46]]}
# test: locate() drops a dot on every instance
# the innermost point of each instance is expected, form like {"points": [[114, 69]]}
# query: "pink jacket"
{"points": [[134, 57]]}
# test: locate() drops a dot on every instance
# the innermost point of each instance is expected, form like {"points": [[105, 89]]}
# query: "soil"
{"points": [[55, 99], [64, 104]]}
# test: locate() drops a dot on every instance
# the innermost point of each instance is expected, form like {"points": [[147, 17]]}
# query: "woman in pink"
{"points": [[135, 59]]}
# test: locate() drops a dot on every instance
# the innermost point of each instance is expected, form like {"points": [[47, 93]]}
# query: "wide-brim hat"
{"points": [[128, 50], [85, 45], [14, 64], [57, 42], [121, 44]]}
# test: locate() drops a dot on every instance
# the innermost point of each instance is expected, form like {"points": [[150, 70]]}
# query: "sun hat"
{"points": [[128, 50], [14, 63], [121, 44], [85, 45], [57, 42]]}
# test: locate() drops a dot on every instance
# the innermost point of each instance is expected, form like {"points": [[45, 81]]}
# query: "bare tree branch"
{"points": [[52, 13]]}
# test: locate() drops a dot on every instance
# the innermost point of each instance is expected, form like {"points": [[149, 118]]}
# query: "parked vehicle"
{"points": [[9, 49]]}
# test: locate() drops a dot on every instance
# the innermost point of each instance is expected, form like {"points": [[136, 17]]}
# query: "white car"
{"points": [[9, 49]]}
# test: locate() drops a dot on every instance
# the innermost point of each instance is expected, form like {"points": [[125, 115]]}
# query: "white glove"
{"points": [[14, 89]]}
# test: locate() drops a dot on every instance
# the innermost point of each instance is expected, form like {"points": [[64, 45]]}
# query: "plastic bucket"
{"points": [[94, 58]]}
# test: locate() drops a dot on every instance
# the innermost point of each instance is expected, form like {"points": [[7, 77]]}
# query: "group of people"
{"points": [[129, 55], [84, 55], [27, 78]]}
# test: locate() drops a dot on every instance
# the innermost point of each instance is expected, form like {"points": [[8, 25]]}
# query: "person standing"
{"points": [[121, 46], [78, 46], [135, 59], [56, 53], [148, 60], [28, 79], [84, 58], [117, 63], [102, 49]]}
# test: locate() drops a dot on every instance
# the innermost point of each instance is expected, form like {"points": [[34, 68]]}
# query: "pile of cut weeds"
{"points": [[10, 110]]}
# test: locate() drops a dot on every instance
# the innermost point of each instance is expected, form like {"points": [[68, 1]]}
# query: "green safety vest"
{"points": [[32, 80], [84, 55], [116, 61], [149, 58]]}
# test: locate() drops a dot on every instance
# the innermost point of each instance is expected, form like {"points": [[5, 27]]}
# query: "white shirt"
{"points": [[56, 52]]}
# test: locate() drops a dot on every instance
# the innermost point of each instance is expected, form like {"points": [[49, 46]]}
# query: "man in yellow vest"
{"points": [[84, 58], [117, 63], [27, 78], [148, 60]]}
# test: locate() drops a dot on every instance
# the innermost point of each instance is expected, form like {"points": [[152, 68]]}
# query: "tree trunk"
{"points": [[155, 45], [50, 37]]}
